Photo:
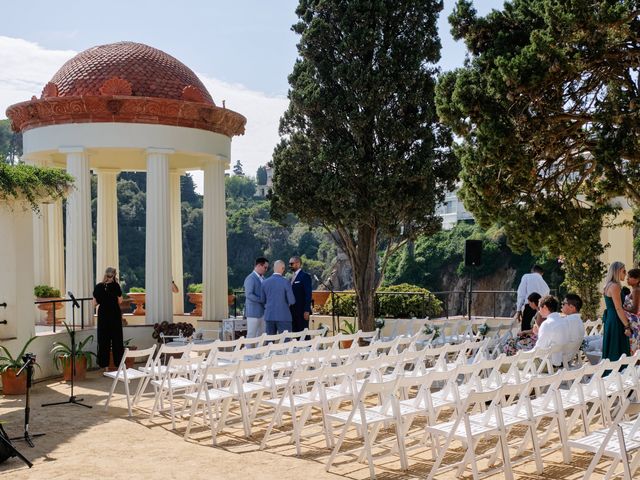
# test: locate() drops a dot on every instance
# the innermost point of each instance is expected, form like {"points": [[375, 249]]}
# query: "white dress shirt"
{"points": [[554, 331], [576, 328], [530, 283]]}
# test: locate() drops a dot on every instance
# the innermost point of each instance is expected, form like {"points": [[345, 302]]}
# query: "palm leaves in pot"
{"points": [[7, 361], [62, 351]]}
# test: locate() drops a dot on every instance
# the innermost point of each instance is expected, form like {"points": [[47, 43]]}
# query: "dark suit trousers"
{"points": [[299, 323]]}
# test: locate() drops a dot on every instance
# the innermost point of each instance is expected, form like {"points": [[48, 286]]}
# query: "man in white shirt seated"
{"points": [[554, 330], [530, 283], [571, 309]]}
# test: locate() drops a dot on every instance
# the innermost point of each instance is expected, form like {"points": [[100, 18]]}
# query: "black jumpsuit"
{"points": [[109, 323]]}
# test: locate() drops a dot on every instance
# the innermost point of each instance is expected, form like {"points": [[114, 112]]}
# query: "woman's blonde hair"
{"points": [[110, 272], [613, 274]]}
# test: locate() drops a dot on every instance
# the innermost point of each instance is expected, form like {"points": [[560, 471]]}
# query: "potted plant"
{"points": [[62, 357], [348, 328], [194, 294], [319, 297], [45, 292], [137, 295], [9, 366]]}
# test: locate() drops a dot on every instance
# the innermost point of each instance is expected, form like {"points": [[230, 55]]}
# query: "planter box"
{"points": [[48, 307]]}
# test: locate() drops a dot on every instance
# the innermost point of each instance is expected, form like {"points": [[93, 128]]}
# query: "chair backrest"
{"points": [[316, 333], [287, 336], [146, 352], [187, 367], [369, 337], [228, 345], [308, 345], [274, 338], [249, 342]]}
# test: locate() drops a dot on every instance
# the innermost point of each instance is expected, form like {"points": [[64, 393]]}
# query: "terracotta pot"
{"points": [[230, 299], [12, 385], [48, 307], [81, 369], [346, 344], [138, 298], [196, 299], [128, 362]]}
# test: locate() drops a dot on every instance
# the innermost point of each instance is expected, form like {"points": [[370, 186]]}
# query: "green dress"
{"points": [[614, 342]]}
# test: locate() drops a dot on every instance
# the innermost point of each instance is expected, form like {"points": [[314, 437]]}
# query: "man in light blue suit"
{"points": [[254, 306], [277, 296]]}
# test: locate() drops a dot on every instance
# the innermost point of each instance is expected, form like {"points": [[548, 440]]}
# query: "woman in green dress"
{"points": [[616, 325]]}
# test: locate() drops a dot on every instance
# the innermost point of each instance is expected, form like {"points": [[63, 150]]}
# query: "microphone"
{"points": [[73, 299]]}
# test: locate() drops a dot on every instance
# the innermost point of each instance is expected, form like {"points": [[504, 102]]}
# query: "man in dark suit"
{"points": [[301, 285]]}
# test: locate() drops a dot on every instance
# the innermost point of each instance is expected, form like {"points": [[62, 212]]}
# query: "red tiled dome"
{"points": [[149, 71]]}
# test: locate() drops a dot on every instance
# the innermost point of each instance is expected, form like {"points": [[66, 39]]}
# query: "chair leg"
{"points": [[126, 389], [113, 387]]}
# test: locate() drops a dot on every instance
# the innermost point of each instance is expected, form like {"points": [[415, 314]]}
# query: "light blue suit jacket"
{"points": [[254, 306], [277, 296]]}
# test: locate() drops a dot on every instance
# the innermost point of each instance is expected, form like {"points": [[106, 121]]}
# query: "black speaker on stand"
{"points": [[472, 258]]}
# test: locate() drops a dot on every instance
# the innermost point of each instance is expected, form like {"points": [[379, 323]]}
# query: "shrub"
{"points": [[136, 290], [417, 302], [196, 288], [345, 304], [45, 291]]}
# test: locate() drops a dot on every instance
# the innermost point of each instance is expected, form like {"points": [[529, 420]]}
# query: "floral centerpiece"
{"points": [[172, 329]]}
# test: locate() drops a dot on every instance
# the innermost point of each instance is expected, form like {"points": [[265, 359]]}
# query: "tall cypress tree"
{"points": [[362, 153]]}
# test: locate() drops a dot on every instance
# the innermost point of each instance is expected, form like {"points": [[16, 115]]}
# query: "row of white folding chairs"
{"points": [[503, 414]]}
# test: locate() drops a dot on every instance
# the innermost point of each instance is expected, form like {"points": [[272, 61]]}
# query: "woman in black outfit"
{"points": [[107, 295]]}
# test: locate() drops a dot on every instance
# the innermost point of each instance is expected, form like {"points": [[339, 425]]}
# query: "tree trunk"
{"points": [[362, 253]]}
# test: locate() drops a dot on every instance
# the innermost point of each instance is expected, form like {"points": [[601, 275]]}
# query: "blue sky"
{"points": [[243, 50]]}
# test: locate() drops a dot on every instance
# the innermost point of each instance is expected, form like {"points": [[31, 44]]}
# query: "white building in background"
{"points": [[452, 211], [263, 190]]}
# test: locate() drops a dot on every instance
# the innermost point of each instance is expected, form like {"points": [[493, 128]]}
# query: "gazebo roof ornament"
{"points": [[126, 82]]}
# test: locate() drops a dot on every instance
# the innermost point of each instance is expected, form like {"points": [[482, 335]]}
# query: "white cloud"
{"points": [[27, 67]]}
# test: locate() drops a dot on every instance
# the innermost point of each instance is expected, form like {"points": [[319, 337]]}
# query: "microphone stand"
{"points": [[333, 301], [72, 334], [28, 360]]}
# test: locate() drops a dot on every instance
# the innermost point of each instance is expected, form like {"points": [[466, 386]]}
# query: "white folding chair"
{"points": [[469, 429], [619, 441], [180, 378], [364, 417], [125, 375], [303, 392]]}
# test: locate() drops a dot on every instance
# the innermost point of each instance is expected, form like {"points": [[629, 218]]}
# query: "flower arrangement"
{"points": [[45, 291], [172, 329], [483, 329], [431, 329]]}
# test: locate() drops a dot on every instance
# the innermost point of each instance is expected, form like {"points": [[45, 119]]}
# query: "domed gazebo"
{"points": [[128, 106]]}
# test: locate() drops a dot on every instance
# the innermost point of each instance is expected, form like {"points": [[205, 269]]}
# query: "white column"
{"points": [[222, 283], [176, 241], [41, 271], [56, 244], [79, 255], [158, 237], [107, 222], [214, 255]]}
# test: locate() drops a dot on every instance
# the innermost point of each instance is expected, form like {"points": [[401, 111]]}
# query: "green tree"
{"points": [[261, 175], [239, 188], [10, 143], [237, 169], [361, 152], [546, 108]]}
